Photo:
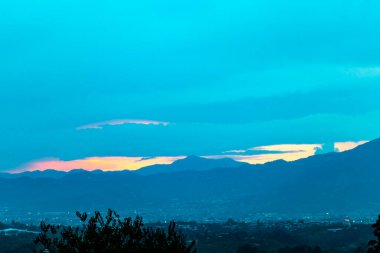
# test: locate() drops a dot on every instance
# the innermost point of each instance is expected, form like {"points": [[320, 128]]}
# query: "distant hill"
{"points": [[190, 163], [336, 183], [44, 174]]}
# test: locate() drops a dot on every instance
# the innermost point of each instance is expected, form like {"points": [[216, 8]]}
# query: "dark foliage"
{"points": [[111, 235], [300, 249], [374, 245], [247, 248]]}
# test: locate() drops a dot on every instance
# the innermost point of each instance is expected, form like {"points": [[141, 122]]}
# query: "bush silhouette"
{"points": [[111, 235], [374, 245], [247, 248], [300, 249]]}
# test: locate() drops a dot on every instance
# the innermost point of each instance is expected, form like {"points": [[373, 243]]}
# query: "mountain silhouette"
{"points": [[337, 183], [190, 163], [50, 173]]}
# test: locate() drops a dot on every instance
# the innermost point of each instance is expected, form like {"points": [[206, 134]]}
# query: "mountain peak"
{"points": [[190, 159], [192, 162], [193, 158]]}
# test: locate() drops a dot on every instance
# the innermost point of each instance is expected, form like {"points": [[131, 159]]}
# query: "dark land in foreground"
{"points": [[240, 237]]}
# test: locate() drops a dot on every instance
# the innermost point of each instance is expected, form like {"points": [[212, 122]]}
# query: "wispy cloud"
{"points": [[286, 148], [287, 106], [234, 151], [366, 71], [100, 125]]}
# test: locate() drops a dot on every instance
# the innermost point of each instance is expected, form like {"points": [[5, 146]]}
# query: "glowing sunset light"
{"points": [[112, 163], [348, 145], [287, 152]]}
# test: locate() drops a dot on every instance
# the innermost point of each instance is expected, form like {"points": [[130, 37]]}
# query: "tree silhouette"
{"points": [[300, 249], [374, 245], [111, 235], [247, 248]]}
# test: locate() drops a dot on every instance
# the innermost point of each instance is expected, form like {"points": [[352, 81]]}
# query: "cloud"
{"points": [[100, 125], [111, 163], [276, 149], [366, 72], [348, 145], [287, 152], [234, 151], [288, 106], [288, 148], [338, 146]]}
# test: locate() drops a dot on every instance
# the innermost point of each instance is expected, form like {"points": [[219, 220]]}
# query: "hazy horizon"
{"points": [[286, 152]]}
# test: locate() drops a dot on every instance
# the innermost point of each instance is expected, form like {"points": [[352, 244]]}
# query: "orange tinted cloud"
{"points": [[112, 163], [100, 125], [287, 152], [348, 145]]}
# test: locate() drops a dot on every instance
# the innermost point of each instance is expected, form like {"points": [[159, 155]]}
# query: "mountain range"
{"points": [[195, 187], [187, 164]]}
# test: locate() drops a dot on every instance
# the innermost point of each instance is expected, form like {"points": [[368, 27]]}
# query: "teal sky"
{"points": [[213, 75]]}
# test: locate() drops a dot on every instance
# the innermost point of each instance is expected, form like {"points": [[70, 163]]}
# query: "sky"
{"points": [[123, 84]]}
